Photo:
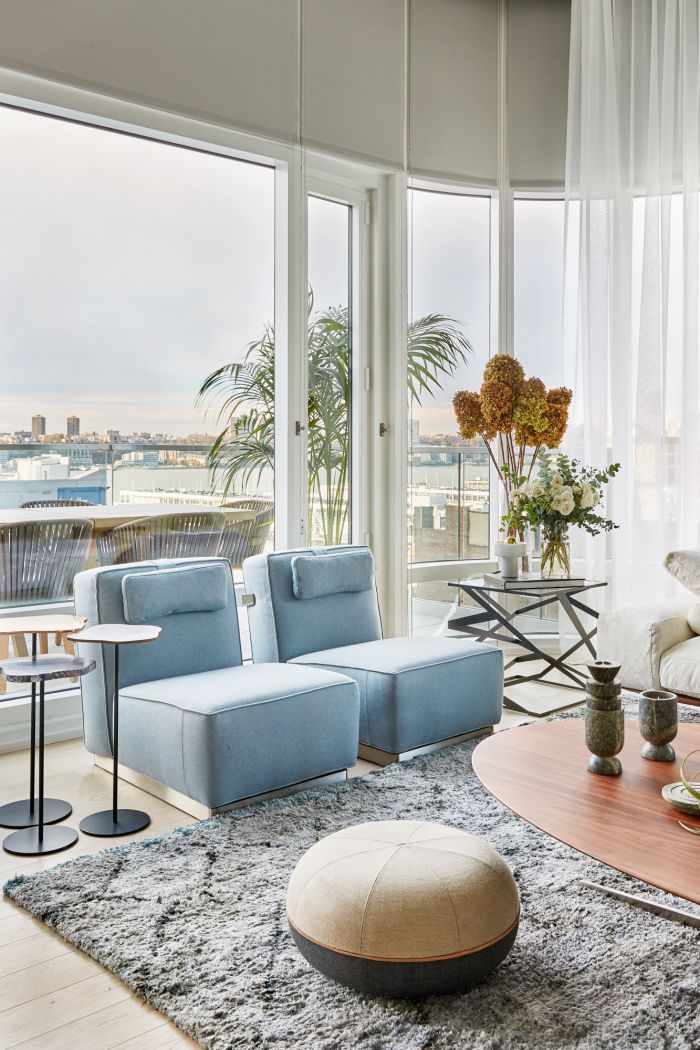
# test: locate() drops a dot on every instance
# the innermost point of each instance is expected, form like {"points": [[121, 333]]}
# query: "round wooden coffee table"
{"points": [[539, 771]]}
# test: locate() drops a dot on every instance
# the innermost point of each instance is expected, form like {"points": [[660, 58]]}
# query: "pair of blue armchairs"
{"points": [[324, 684]]}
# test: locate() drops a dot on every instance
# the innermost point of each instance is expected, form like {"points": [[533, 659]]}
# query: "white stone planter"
{"points": [[509, 555]]}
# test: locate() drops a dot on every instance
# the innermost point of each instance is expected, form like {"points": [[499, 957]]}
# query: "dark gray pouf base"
{"points": [[405, 980]]}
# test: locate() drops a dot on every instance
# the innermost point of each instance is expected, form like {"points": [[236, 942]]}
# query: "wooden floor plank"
{"points": [[31, 952], [18, 926], [48, 1012], [104, 1029], [46, 977], [167, 1037]]}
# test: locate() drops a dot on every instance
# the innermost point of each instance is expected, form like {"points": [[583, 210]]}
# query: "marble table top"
{"points": [[45, 668]]}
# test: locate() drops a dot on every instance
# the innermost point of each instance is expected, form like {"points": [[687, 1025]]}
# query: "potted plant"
{"points": [[513, 415]]}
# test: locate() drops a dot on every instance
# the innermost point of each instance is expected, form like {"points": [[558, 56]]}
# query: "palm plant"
{"points": [[245, 445]]}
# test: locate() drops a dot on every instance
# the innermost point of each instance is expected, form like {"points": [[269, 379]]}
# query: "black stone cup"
{"points": [[658, 724]]}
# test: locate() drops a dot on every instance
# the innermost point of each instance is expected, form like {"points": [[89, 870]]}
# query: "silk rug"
{"points": [[194, 923]]}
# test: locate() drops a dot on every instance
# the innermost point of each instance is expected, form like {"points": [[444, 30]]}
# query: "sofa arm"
{"points": [[637, 638]]}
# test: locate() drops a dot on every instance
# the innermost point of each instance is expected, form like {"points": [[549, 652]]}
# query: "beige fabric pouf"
{"points": [[403, 908]]}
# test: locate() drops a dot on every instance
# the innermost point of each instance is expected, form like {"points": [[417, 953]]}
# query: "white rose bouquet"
{"points": [[563, 492]]}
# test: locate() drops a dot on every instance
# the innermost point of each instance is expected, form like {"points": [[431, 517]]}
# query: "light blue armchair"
{"points": [[318, 607], [193, 719]]}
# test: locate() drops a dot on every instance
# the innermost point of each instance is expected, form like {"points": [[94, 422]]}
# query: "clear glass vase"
{"points": [[556, 556]]}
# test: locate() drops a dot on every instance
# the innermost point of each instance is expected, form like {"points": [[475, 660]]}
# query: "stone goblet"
{"points": [[605, 736], [658, 724]]}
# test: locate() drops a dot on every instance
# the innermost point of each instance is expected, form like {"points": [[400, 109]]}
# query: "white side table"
{"points": [[115, 821]]}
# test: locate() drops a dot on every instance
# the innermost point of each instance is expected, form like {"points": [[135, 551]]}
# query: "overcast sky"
{"points": [[130, 269]]}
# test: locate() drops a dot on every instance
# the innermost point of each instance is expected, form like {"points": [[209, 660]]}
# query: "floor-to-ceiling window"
{"points": [[130, 271], [330, 366], [449, 337]]}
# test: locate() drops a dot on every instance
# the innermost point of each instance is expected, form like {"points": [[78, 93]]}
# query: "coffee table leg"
{"points": [[23, 814], [40, 839], [115, 821]]}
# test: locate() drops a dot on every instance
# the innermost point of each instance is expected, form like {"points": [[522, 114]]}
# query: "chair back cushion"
{"points": [[301, 608], [150, 596], [193, 637], [342, 572]]}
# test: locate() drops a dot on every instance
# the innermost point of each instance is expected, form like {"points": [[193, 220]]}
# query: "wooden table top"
{"points": [[108, 516], [539, 771], [117, 633], [51, 623]]}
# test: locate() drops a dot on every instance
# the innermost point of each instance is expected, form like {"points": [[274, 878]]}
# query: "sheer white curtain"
{"points": [[632, 181]]}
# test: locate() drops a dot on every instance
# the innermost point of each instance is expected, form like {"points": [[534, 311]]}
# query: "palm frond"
{"points": [[243, 392]]}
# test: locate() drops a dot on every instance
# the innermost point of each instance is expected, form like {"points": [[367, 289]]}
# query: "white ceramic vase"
{"points": [[509, 556]]}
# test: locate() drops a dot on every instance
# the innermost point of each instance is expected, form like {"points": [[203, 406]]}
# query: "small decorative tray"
{"points": [[680, 797]]}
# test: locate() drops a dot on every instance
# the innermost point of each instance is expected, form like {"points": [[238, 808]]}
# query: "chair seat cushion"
{"points": [[224, 735], [417, 691], [680, 668]]}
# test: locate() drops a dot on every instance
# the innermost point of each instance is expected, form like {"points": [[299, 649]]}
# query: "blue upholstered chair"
{"points": [[318, 607], [194, 718]]}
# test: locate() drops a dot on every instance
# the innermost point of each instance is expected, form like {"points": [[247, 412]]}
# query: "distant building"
{"points": [[43, 468], [112, 437], [72, 426], [38, 426], [414, 431]]}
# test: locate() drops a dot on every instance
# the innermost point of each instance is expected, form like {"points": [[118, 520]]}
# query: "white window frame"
{"points": [[372, 192], [427, 572]]}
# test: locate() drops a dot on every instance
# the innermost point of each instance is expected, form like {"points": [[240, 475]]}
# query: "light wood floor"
{"points": [[52, 996]]}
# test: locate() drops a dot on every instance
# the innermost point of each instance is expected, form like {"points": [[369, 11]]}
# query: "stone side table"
{"points": [[115, 821], [41, 839], [25, 813]]}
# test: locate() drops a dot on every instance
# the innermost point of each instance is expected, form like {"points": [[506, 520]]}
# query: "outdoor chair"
{"points": [[33, 503], [244, 539], [187, 535], [38, 562]]}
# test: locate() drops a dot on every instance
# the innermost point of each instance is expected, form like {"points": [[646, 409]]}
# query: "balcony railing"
{"points": [[106, 473]]}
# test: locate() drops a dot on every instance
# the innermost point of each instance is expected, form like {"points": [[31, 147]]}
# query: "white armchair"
{"points": [[654, 644]]}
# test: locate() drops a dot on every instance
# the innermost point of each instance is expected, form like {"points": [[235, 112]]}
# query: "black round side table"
{"points": [[115, 821], [40, 838], [25, 813]]}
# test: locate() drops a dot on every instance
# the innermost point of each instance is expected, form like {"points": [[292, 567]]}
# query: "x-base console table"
{"points": [[493, 621]]}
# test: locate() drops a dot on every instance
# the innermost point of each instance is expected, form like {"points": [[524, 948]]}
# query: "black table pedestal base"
{"points": [[27, 843], [128, 821], [19, 814]]}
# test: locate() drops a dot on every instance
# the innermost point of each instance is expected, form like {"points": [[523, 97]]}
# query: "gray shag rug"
{"points": [[194, 923]]}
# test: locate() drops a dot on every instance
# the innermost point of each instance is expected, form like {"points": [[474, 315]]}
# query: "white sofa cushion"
{"points": [[679, 670], [684, 566], [694, 618], [637, 638]]}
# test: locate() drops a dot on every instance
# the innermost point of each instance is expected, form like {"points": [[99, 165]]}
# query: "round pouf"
{"points": [[403, 908]]}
